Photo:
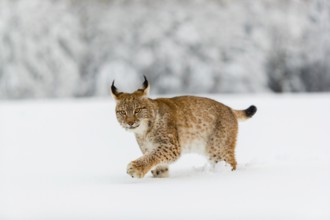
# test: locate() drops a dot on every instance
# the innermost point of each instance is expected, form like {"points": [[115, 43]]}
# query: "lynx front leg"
{"points": [[165, 153], [138, 168]]}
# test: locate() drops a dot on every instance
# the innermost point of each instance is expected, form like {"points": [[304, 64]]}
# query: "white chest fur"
{"points": [[141, 130], [147, 147]]}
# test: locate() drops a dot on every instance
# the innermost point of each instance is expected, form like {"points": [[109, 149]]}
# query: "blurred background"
{"points": [[75, 48]]}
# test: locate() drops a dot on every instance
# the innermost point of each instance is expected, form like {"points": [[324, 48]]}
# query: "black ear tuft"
{"points": [[145, 87], [114, 90], [145, 83]]}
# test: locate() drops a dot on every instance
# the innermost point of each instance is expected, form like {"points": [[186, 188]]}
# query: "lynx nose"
{"points": [[130, 123]]}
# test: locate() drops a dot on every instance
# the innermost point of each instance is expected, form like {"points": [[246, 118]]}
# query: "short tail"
{"points": [[242, 115]]}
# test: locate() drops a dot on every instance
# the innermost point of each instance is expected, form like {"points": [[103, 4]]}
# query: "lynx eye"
{"points": [[138, 110], [123, 113]]}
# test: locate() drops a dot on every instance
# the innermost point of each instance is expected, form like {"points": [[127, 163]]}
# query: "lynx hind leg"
{"points": [[160, 171], [219, 155], [230, 158], [221, 149]]}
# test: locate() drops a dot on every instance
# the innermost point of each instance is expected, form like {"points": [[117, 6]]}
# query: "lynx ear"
{"points": [[145, 87], [114, 91]]}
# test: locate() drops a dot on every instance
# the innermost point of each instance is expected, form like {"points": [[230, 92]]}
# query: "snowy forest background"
{"points": [[75, 48]]}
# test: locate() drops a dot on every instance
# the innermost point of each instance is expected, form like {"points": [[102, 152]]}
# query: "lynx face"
{"points": [[132, 111]]}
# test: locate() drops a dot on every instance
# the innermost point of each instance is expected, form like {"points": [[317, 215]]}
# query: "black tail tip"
{"points": [[251, 111]]}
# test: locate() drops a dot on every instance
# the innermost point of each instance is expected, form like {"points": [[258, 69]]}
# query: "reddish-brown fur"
{"points": [[167, 127]]}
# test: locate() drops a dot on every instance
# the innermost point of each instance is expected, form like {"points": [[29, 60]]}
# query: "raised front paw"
{"points": [[135, 169]]}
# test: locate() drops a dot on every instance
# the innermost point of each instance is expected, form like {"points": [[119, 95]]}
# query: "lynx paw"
{"points": [[135, 170], [160, 172]]}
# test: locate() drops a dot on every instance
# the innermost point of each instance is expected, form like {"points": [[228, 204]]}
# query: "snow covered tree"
{"points": [[40, 46], [68, 48]]}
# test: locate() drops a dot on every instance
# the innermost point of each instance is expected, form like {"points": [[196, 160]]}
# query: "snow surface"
{"points": [[66, 159]]}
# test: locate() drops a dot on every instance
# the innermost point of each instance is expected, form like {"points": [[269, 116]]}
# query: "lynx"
{"points": [[165, 128]]}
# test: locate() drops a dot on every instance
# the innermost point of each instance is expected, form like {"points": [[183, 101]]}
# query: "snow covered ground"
{"points": [[66, 159]]}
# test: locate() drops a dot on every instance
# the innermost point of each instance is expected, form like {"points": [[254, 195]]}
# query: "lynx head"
{"points": [[133, 110]]}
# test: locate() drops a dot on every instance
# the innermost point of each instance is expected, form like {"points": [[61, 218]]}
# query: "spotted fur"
{"points": [[167, 127]]}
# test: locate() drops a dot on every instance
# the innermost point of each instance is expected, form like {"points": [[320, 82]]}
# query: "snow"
{"points": [[66, 159]]}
